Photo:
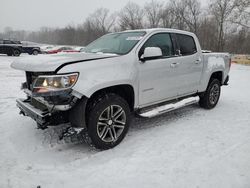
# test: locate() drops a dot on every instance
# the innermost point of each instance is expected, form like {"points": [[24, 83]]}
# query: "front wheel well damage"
{"points": [[125, 91], [79, 113]]}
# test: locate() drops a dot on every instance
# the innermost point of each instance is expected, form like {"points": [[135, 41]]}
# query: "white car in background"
{"points": [[45, 48], [79, 48]]}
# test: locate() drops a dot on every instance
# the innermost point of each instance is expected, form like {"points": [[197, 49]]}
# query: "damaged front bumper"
{"points": [[40, 116], [53, 110]]}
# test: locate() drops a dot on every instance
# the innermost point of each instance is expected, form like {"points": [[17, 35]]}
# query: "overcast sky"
{"points": [[33, 14]]}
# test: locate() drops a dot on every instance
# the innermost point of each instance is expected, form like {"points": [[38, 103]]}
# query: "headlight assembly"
{"points": [[48, 83]]}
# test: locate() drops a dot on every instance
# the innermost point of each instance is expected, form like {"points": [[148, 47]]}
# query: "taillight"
{"points": [[230, 62]]}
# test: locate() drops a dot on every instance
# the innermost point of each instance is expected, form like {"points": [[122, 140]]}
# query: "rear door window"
{"points": [[186, 44]]}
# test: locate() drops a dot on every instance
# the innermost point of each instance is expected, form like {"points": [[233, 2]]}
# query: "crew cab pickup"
{"points": [[144, 72]]}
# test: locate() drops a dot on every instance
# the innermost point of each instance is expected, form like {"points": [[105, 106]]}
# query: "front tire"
{"points": [[16, 53], [35, 52], [212, 95], [108, 120]]}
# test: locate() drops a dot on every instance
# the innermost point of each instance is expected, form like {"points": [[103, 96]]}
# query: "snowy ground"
{"points": [[190, 147]]}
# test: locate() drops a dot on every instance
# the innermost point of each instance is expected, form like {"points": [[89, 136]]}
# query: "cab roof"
{"points": [[160, 30]]}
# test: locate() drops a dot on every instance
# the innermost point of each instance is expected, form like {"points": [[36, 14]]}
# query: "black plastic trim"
{"points": [[226, 81]]}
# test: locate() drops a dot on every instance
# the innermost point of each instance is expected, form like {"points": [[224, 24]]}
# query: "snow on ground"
{"points": [[190, 147]]}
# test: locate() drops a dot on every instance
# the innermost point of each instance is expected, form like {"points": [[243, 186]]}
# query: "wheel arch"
{"points": [[126, 91], [216, 75], [76, 117]]}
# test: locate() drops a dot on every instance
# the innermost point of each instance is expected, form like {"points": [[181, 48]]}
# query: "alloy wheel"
{"points": [[111, 123], [214, 94]]}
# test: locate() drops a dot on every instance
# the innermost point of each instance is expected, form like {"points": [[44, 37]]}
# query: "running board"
{"points": [[169, 107]]}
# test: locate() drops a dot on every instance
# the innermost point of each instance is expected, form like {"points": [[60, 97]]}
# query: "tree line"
{"points": [[222, 25]]}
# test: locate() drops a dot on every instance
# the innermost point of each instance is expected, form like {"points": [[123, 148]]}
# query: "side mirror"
{"points": [[151, 53]]}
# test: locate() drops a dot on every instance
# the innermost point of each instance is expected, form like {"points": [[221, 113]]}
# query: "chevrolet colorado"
{"points": [[145, 72]]}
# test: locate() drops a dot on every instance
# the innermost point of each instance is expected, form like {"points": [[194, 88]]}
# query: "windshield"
{"points": [[117, 43]]}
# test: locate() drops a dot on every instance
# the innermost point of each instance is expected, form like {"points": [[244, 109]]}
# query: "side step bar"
{"points": [[169, 107]]}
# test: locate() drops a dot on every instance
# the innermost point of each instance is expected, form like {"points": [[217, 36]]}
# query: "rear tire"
{"points": [[210, 98], [108, 120]]}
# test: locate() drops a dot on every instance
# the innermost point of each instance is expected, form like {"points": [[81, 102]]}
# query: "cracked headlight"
{"points": [[49, 83]]}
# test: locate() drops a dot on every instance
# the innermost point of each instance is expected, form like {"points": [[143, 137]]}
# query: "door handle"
{"points": [[198, 61], [174, 65]]}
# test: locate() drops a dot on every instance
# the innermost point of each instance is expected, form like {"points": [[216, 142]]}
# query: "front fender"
{"points": [[100, 74]]}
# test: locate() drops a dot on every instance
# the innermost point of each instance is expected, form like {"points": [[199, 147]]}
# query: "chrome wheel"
{"points": [[214, 94], [111, 123]]}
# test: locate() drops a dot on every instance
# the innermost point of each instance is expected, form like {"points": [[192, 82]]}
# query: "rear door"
{"points": [[190, 64]]}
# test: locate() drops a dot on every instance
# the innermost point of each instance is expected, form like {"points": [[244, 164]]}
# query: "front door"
{"points": [[158, 77]]}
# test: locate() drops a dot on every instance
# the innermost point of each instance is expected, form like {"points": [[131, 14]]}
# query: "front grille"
{"points": [[38, 104], [32, 76]]}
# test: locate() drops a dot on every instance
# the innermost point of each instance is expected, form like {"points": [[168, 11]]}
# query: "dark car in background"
{"points": [[28, 47], [10, 48], [15, 47]]}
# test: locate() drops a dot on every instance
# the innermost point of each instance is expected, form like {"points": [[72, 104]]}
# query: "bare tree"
{"points": [[168, 17], [179, 10], [192, 14], [153, 12], [101, 21], [131, 17], [241, 37], [98, 23], [227, 11], [242, 14], [182, 14], [208, 33], [90, 33]]}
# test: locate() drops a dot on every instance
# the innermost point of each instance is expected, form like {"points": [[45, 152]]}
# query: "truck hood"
{"points": [[50, 63]]}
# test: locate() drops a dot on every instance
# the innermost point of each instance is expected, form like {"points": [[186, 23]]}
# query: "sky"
{"points": [[34, 14]]}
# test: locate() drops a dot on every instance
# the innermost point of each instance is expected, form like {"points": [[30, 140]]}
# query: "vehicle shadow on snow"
{"points": [[164, 119], [51, 135]]}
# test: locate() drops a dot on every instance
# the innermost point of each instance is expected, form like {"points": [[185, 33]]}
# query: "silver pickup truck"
{"points": [[144, 72]]}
